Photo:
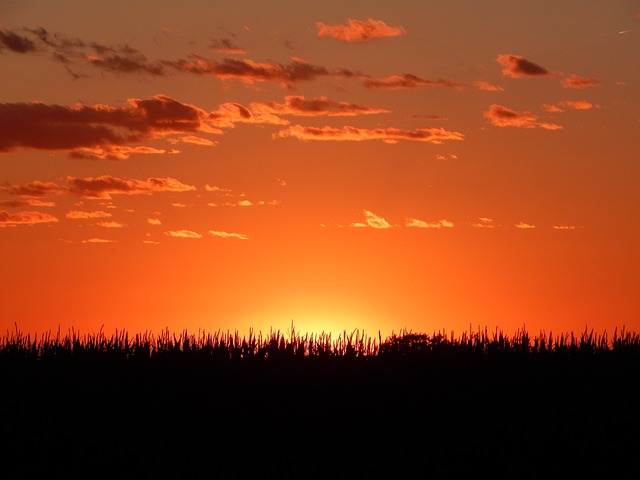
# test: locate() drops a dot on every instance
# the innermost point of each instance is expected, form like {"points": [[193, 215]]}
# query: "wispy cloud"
{"points": [[568, 105], [250, 72], [15, 42], [564, 227], [77, 214], [99, 240], [224, 45], [487, 87], [25, 218], [183, 234], [240, 236], [516, 66], [500, 116], [154, 221], [99, 187], [484, 222], [577, 82], [313, 107], [414, 222], [358, 30], [111, 224], [524, 226], [372, 220], [99, 131], [354, 134], [106, 185], [396, 82]]}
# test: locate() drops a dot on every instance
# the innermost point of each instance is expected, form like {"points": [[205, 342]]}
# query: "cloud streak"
{"points": [[99, 131], [101, 187], [359, 31], [25, 218], [516, 66], [500, 116], [397, 82], [354, 134]]}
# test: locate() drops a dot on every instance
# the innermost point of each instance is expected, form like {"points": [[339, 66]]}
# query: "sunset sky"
{"points": [[389, 165]]}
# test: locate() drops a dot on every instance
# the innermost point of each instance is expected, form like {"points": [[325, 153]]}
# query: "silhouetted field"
{"points": [[408, 406]]}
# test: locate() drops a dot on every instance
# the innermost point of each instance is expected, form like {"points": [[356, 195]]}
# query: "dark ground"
{"points": [[336, 418]]}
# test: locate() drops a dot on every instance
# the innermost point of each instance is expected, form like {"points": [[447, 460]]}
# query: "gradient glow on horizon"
{"points": [[382, 166]]}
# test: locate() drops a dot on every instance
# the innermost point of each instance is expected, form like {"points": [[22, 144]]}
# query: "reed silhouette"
{"points": [[412, 405]]}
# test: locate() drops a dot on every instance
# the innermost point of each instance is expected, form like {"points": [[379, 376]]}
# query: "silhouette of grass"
{"points": [[222, 405]]}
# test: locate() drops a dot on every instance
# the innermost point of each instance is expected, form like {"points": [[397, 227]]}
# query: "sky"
{"points": [[386, 166]]}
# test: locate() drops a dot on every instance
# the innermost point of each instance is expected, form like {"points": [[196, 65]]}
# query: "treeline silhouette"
{"points": [[411, 405]]}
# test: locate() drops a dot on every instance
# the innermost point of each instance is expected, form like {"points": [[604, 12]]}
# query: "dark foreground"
{"points": [[420, 408]]}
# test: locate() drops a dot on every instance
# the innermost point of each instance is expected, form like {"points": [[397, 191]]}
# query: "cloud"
{"points": [[183, 234], [111, 224], [395, 82], [487, 87], [524, 226], [106, 185], [250, 72], [99, 187], [414, 222], [228, 235], [33, 189], [516, 66], [358, 30], [193, 140], [129, 62], [484, 222], [500, 116], [301, 106], [568, 104], [225, 45], [76, 214], [564, 227], [99, 240], [388, 135], [16, 43], [25, 218], [154, 221], [577, 82], [99, 131], [372, 220]]}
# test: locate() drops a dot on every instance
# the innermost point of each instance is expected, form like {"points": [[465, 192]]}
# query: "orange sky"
{"points": [[339, 165]]}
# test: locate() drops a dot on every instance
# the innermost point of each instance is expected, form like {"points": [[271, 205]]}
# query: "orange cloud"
{"points": [[106, 185], [524, 226], [183, 234], [516, 66], [500, 116], [484, 222], [564, 227], [99, 131], [99, 187], [154, 221], [33, 189], [487, 87], [25, 218], [249, 72], [99, 240], [240, 236], [576, 81], [395, 82], [359, 31], [372, 220], [301, 106], [414, 222], [388, 135], [193, 140], [111, 224], [568, 104], [75, 214]]}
